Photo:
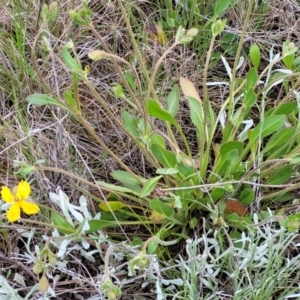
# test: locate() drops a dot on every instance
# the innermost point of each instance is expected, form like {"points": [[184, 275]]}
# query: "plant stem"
{"points": [[117, 67], [237, 58], [135, 45], [206, 139]]}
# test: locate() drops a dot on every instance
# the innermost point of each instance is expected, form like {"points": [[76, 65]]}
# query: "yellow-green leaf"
{"points": [[157, 33], [109, 206]]}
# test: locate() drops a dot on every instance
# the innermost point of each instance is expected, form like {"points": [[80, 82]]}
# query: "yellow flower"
{"points": [[18, 200]]}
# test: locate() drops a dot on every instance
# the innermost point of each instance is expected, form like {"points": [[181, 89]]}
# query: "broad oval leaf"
{"points": [[234, 206], [254, 54], [220, 7], [156, 111], [188, 89], [247, 196]]}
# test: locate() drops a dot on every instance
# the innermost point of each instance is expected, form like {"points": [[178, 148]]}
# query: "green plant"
{"points": [[238, 165]]}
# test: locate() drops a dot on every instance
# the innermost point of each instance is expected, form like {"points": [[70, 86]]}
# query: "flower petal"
{"points": [[6, 195], [23, 190], [13, 213], [29, 208]]}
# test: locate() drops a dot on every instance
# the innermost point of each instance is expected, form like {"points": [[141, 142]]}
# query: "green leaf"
{"points": [[289, 61], [227, 131], [130, 79], [161, 208], [171, 22], [135, 188], [278, 139], [113, 187], [284, 197], [173, 101], [130, 123], [228, 153], [193, 223], [69, 60], [42, 99], [156, 111], [163, 156], [221, 6], [149, 186], [185, 40], [63, 225], [267, 127], [281, 175], [292, 223], [229, 146], [255, 55], [296, 63], [118, 90], [217, 193], [69, 97], [124, 177], [152, 246], [109, 206], [185, 194], [157, 139], [185, 170], [247, 196], [169, 171], [295, 159], [96, 225], [218, 26], [232, 156], [250, 100], [251, 79], [196, 112], [238, 221], [283, 109], [288, 49]]}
